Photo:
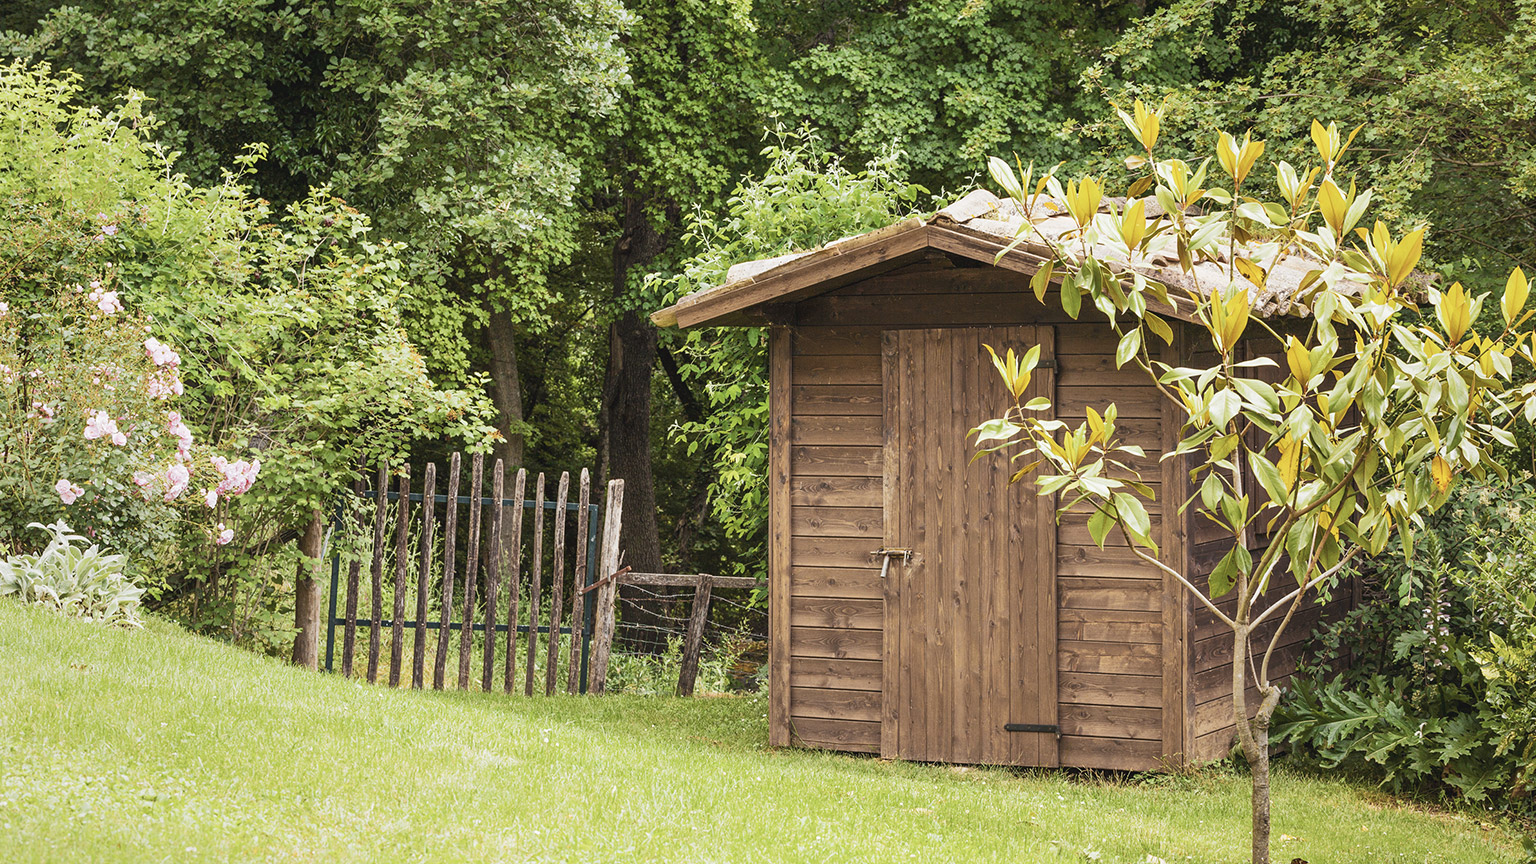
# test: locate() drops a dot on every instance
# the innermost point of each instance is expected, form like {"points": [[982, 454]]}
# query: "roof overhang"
{"points": [[979, 228]]}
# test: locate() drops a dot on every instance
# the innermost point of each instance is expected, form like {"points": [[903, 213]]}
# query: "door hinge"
{"points": [[1032, 727], [1048, 363]]}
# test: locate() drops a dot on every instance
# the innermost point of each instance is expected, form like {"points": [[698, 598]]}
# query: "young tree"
{"points": [[1385, 395]]}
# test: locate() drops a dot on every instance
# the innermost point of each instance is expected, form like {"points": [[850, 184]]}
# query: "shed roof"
{"points": [[979, 227]]}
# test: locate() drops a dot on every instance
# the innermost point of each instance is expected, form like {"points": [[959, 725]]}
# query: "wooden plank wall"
{"points": [[835, 499], [1110, 679]]}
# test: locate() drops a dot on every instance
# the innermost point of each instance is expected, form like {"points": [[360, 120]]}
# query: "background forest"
{"points": [[555, 171], [526, 180]]}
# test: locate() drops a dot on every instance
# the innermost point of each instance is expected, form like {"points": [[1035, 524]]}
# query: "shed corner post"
{"points": [[780, 396]]}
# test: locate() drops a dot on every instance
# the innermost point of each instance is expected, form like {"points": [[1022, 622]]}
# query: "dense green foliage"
{"points": [[1438, 682], [1442, 88], [805, 197], [285, 331]]}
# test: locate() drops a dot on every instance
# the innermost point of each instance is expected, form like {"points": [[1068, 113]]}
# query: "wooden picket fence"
{"points": [[469, 590]]}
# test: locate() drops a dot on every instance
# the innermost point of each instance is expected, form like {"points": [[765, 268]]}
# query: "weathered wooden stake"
{"points": [[602, 635], [693, 643], [519, 493], [471, 563], [450, 542], [423, 576], [578, 596], [535, 586], [349, 633], [556, 582], [376, 572], [493, 575], [402, 560]]}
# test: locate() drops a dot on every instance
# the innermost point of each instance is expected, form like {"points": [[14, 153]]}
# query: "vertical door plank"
{"points": [[402, 560], [471, 567], [535, 586], [1043, 586], [939, 663], [493, 574], [376, 571], [556, 582], [423, 577], [991, 496], [579, 582], [514, 555], [918, 508], [780, 380], [891, 495], [450, 545]]}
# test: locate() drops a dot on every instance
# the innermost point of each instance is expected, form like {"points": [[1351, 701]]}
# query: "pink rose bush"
{"points": [[89, 411]]}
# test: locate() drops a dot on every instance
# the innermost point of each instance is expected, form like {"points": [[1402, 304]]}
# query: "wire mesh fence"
{"points": [[649, 650]]}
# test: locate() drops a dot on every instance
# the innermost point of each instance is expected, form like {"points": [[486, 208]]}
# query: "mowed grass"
{"points": [[158, 746]]}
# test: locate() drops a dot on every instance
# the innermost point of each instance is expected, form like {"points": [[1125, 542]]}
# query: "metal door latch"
{"points": [[887, 554]]}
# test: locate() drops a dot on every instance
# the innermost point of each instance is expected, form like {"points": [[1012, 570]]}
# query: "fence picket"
{"points": [[535, 587], [471, 564], [380, 520], [402, 559], [493, 574], [423, 576], [556, 582], [514, 576], [450, 542], [573, 665], [349, 635], [608, 564]]}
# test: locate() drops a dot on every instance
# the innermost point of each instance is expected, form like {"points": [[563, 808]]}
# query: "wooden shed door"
{"points": [[970, 620]]}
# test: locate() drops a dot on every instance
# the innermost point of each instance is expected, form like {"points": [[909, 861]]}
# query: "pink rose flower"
{"points": [[211, 498], [225, 535], [161, 353], [177, 477], [68, 491], [106, 301], [183, 434], [101, 426]]}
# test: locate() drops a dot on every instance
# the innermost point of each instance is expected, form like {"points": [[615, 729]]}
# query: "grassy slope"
{"points": [[123, 746]]}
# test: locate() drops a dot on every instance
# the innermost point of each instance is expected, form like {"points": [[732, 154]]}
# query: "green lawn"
{"points": [[157, 746]]}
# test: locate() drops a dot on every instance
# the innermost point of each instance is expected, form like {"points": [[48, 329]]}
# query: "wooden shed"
{"points": [[1006, 637]]}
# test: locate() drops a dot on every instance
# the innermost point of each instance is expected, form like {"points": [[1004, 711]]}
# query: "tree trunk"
{"points": [[306, 599], [627, 411], [506, 389], [1253, 735], [1258, 765]]}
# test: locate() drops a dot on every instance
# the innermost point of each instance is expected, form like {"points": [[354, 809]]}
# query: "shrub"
{"points": [[86, 583], [287, 331], [1440, 691], [88, 396]]}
